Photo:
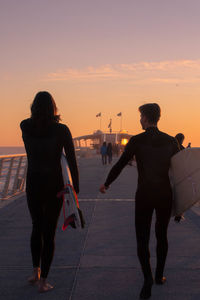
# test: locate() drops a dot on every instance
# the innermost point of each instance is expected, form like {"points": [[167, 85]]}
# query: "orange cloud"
{"points": [[142, 72]]}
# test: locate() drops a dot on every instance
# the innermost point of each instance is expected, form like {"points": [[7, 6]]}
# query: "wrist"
{"points": [[106, 186]]}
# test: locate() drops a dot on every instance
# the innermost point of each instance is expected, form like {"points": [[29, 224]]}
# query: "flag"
{"points": [[98, 115], [119, 114], [109, 125]]}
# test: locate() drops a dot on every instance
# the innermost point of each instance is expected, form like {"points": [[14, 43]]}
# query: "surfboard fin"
{"points": [[81, 218], [69, 221]]}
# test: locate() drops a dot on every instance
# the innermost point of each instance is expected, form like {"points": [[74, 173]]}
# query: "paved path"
{"points": [[99, 262]]}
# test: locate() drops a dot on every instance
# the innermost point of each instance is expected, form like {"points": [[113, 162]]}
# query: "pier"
{"points": [[99, 262]]}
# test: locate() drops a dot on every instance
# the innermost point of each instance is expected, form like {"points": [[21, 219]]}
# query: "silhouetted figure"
{"points": [[103, 152], [109, 152], [44, 139], [180, 138], [153, 150], [116, 149]]}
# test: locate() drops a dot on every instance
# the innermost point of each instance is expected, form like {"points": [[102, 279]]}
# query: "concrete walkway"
{"points": [[99, 262]]}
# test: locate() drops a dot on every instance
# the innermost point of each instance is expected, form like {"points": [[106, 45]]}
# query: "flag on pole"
{"points": [[109, 125], [98, 115], [119, 114]]}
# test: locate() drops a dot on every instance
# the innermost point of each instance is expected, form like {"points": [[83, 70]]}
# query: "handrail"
{"points": [[12, 175], [12, 155]]}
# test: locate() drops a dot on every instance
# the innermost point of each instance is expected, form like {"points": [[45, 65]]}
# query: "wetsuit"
{"points": [[44, 145], [153, 150]]}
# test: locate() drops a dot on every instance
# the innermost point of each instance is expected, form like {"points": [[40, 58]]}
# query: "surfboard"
{"points": [[185, 179], [71, 209]]}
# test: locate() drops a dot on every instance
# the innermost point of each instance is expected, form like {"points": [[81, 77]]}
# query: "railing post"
{"points": [[15, 184], [5, 190], [24, 175], [1, 165]]}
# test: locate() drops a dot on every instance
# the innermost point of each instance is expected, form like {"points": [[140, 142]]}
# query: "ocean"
{"points": [[12, 150]]}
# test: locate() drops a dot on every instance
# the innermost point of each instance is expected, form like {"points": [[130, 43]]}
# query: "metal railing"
{"points": [[12, 175]]}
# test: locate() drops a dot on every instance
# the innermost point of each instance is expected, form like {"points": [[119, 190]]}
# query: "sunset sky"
{"points": [[105, 56]]}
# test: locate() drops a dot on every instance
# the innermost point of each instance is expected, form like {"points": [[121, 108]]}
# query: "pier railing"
{"points": [[12, 175]]}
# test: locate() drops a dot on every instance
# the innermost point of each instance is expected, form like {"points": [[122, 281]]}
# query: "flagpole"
{"points": [[100, 122]]}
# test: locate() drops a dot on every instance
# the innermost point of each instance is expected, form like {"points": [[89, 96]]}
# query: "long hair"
{"points": [[43, 109]]}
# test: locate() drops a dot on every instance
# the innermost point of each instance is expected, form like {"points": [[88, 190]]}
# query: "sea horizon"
{"points": [[6, 150]]}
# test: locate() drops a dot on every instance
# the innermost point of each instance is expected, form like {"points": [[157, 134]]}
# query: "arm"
{"points": [[71, 158], [118, 167]]}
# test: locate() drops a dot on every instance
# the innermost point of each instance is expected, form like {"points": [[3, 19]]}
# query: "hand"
{"points": [[102, 189], [179, 218]]}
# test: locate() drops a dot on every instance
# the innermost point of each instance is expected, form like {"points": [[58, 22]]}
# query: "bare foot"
{"points": [[44, 286], [35, 277]]}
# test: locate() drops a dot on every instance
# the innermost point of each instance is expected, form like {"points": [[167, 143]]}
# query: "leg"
{"points": [[52, 212], [162, 220], [36, 236], [143, 217]]}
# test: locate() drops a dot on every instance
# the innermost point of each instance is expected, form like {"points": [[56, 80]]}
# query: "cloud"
{"points": [[141, 72], [102, 72]]}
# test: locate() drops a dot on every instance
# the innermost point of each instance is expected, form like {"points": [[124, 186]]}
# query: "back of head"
{"points": [[180, 138], [43, 109], [151, 111]]}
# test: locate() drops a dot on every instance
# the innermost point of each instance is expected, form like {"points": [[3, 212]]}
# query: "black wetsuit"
{"points": [[153, 150], [44, 145]]}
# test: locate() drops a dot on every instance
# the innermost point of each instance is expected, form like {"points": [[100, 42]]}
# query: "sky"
{"points": [[105, 56]]}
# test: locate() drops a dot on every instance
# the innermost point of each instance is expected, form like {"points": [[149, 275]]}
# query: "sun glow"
{"points": [[124, 142]]}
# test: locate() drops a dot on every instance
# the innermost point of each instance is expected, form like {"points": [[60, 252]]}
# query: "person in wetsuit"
{"points": [[44, 139], [153, 150]]}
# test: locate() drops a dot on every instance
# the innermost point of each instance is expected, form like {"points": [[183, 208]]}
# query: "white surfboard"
{"points": [[71, 205], [185, 179]]}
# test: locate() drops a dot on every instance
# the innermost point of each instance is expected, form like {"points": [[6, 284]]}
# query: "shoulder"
{"points": [[134, 141], [25, 124], [167, 137], [137, 138], [63, 129]]}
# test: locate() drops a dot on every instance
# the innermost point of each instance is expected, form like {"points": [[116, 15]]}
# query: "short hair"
{"points": [[151, 111], [180, 137], [43, 108]]}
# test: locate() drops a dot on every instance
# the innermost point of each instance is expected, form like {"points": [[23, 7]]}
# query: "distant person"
{"points": [[180, 138], [109, 152], [103, 152], [44, 139], [153, 150], [116, 149]]}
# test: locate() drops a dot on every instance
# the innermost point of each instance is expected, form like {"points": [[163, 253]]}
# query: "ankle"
{"points": [[36, 272], [148, 280]]}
